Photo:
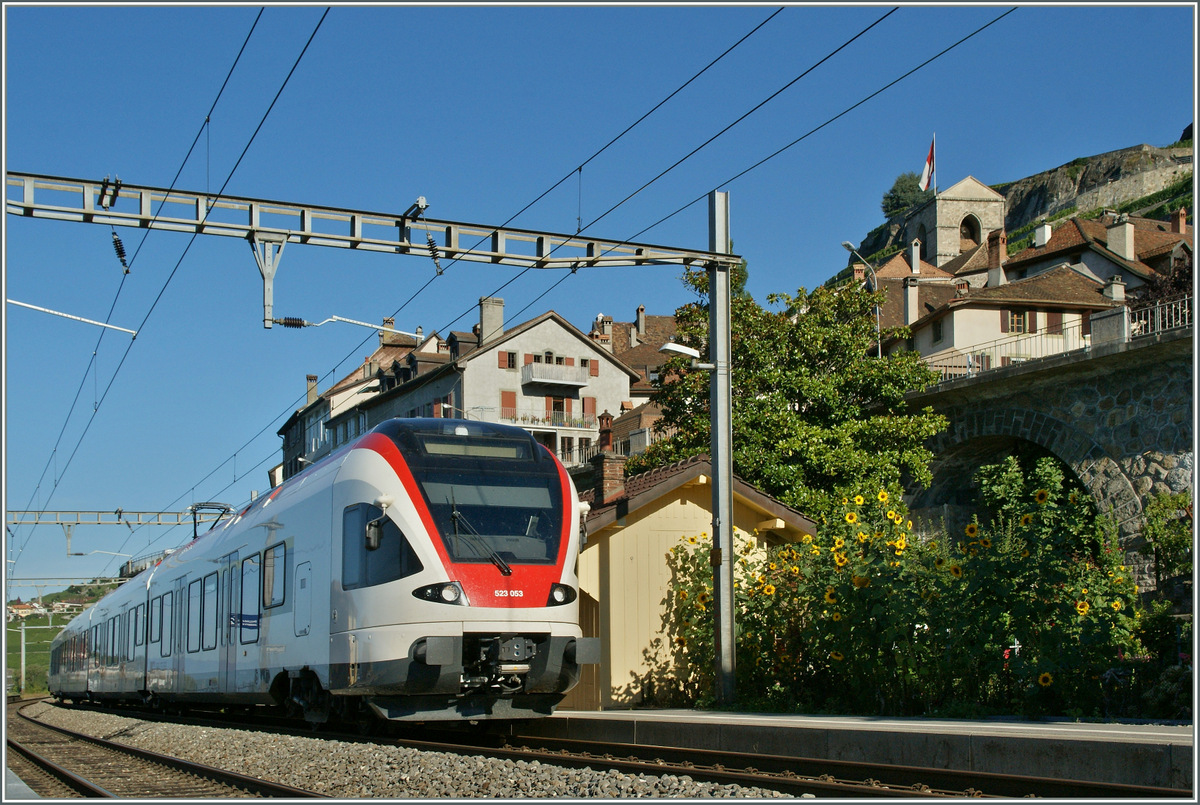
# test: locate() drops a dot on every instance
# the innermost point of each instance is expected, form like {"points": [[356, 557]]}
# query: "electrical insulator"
{"points": [[291, 321], [120, 249], [433, 252]]}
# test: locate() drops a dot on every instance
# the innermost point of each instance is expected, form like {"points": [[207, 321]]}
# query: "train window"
{"points": [[363, 566], [168, 613], [193, 615], [274, 575], [130, 638], [155, 631], [250, 599], [209, 617]]}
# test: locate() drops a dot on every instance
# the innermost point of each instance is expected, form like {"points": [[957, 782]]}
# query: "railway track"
{"points": [[59, 763], [789, 775]]}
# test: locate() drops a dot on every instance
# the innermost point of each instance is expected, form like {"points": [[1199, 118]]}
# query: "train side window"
{"points": [[209, 616], [250, 599], [130, 639], [112, 647], [194, 598], [274, 575], [367, 562], [154, 632], [168, 613]]}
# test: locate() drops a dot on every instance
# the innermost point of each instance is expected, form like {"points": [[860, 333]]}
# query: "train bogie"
{"points": [[424, 572]]}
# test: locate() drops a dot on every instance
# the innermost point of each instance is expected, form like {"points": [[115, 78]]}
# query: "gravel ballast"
{"points": [[353, 770]]}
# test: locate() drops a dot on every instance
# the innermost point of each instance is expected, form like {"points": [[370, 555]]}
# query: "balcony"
{"points": [[552, 374], [539, 417]]}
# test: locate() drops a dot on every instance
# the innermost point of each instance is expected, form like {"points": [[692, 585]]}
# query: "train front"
{"points": [[483, 530]]}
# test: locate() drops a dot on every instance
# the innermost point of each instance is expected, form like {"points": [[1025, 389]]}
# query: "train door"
{"points": [[231, 609]]}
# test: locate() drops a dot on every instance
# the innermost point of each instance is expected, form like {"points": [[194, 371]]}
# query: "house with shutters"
{"points": [[543, 375], [970, 306]]}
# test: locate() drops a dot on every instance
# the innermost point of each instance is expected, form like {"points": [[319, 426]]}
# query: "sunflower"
{"points": [[836, 655], [772, 566], [985, 542], [837, 616], [816, 550], [1041, 497], [840, 559], [956, 571], [683, 595], [860, 581], [972, 530], [681, 641], [883, 496], [891, 515], [858, 500], [692, 540], [703, 598], [861, 536], [830, 596], [1116, 605], [1082, 607], [939, 563], [839, 542], [795, 570], [761, 579], [769, 589], [1025, 554], [807, 538], [1026, 519], [1045, 680], [851, 517]]}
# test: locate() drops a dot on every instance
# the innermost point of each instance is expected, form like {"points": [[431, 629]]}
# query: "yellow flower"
{"points": [[861, 536], [769, 589], [682, 595], [836, 655], [858, 500], [839, 542], [762, 579], [1085, 590], [830, 596], [703, 598], [956, 571], [972, 530], [693, 540], [845, 501], [1045, 680], [891, 515], [772, 566], [860, 581], [1026, 519], [901, 543], [985, 542], [883, 496], [807, 538], [840, 559], [1082, 607], [939, 562], [837, 616], [1042, 496], [1116, 605], [1025, 554], [851, 517], [816, 550]]}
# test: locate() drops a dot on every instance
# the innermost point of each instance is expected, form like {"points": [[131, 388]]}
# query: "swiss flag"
{"points": [[927, 174]]}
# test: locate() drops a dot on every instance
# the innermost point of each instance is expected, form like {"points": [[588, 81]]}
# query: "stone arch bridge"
{"points": [[1119, 415]]}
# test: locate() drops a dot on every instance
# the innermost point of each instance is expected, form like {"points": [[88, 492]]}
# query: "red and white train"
{"points": [[424, 572]]}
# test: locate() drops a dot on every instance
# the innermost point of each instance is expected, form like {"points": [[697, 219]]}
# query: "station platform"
{"points": [[1150, 754], [15, 788]]}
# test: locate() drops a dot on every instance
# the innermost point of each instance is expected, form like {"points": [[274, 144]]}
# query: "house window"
{"points": [[937, 331], [1016, 321]]}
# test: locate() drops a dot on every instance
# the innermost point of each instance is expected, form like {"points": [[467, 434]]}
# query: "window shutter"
{"points": [[508, 404], [594, 367], [1005, 315], [1031, 321], [567, 405], [1054, 322], [589, 406], [570, 361], [528, 358], [502, 359], [1085, 317]]}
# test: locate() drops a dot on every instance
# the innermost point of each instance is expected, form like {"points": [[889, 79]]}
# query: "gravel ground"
{"points": [[348, 770]]}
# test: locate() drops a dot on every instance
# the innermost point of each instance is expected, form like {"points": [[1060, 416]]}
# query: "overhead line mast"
{"points": [[269, 225]]}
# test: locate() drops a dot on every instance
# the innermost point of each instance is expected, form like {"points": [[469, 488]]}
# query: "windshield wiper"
{"points": [[475, 539]]}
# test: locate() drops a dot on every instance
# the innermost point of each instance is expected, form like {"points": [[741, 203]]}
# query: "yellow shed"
{"points": [[623, 571]]}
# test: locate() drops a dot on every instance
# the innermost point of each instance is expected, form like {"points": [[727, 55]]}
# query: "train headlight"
{"points": [[446, 592], [560, 594]]}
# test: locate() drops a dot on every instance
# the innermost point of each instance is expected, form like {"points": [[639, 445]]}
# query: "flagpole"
{"points": [[934, 177]]}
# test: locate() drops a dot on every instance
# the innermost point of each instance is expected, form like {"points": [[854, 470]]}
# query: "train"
{"points": [[423, 572]]}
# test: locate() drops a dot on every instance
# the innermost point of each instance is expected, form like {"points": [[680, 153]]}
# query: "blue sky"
{"points": [[480, 110]]}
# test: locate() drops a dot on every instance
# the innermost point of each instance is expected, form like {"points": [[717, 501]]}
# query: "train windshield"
{"points": [[495, 495]]}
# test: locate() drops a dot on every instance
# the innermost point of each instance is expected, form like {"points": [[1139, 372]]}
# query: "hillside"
{"points": [[1113, 180]]}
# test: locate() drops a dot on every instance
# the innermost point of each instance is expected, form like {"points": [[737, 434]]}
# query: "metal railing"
{"points": [[554, 419], [1003, 352], [1163, 315]]}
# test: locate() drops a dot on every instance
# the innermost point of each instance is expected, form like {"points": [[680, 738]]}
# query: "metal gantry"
{"points": [[117, 517], [270, 225]]}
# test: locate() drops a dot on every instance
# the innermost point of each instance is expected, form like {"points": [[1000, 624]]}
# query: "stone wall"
{"points": [[1121, 419]]}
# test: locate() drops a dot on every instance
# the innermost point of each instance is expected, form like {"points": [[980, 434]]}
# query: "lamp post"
{"points": [[874, 287]]}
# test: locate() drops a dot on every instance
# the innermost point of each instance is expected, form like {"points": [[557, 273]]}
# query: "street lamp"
{"points": [[874, 287]]}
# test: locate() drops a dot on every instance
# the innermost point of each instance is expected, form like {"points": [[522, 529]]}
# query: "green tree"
{"points": [[814, 412], [905, 194]]}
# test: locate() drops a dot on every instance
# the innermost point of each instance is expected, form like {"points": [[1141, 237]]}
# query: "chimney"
{"points": [[860, 272], [961, 287], [911, 313], [997, 248], [312, 389], [1179, 221], [1041, 235], [491, 318], [914, 256], [1120, 239], [608, 468], [641, 320], [1114, 289], [420, 333]]}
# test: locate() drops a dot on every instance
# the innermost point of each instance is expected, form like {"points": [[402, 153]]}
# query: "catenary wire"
{"points": [[605, 147], [192, 240], [132, 260]]}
